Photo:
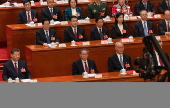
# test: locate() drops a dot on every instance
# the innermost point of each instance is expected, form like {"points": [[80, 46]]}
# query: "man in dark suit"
{"points": [[119, 60], [27, 15], [15, 68], [74, 32], [99, 32], [46, 35], [51, 12], [143, 27], [84, 64], [144, 5], [164, 24], [163, 5]]}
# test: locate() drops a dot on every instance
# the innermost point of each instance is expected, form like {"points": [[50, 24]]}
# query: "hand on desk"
{"points": [[57, 43], [45, 44]]}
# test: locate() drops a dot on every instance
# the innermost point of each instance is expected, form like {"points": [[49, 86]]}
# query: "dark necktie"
{"points": [[168, 27], [86, 67], [29, 20], [121, 61], [51, 11], [160, 61], [101, 34], [75, 33], [145, 29], [16, 68], [47, 37]]}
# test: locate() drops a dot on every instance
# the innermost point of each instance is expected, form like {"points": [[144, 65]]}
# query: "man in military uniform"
{"points": [[97, 9]]}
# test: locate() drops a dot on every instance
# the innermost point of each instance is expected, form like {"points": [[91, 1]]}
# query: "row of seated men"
{"points": [[18, 68], [94, 10], [119, 29]]}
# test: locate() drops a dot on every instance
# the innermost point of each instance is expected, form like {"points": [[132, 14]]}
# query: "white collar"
{"points": [[14, 62]]}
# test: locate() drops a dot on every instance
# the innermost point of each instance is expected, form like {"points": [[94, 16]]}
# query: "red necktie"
{"points": [[75, 33], [15, 66], [168, 27], [86, 67], [29, 20], [160, 61]]}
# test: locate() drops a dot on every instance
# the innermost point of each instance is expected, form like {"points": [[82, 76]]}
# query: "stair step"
{"points": [[1, 67]]}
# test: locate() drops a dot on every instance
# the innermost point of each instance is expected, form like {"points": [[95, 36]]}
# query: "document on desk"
{"points": [[91, 75], [25, 80]]}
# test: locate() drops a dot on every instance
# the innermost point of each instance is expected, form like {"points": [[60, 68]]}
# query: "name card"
{"points": [[104, 42], [125, 40], [39, 24], [132, 17], [98, 76], [86, 43], [64, 22], [157, 16], [43, 3], [60, 2], [62, 45], [81, 21]]}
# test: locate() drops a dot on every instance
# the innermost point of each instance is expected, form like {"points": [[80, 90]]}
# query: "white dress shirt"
{"points": [[99, 30], [73, 29], [120, 28], [73, 11], [157, 57], [50, 9], [84, 64], [14, 63], [167, 24], [45, 32], [145, 24], [118, 55], [30, 15]]}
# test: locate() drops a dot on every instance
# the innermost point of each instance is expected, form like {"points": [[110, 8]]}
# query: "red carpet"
{"points": [[3, 55]]}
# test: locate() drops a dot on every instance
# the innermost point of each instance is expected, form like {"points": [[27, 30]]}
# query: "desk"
{"points": [[9, 15], [20, 35], [49, 62]]}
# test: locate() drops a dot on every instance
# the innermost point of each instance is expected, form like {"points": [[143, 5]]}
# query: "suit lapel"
{"points": [[165, 4], [19, 67], [72, 33], [32, 14], [48, 12], [97, 32], [118, 30], [25, 16], [124, 59], [12, 67], [43, 34], [81, 65], [117, 60], [165, 27]]}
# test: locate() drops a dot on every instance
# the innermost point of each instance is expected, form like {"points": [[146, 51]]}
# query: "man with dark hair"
{"points": [[27, 15], [99, 32], [84, 64], [46, 35], [119, 60], [143, 27], [15, 68], [97, 9], [163, 5], [51, 11], [144, 5], [74, 32], [164, 24]]}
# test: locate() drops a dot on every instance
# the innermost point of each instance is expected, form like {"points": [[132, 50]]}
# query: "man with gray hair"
{"points": [[143, 27], [119, 60], [84, 64]]}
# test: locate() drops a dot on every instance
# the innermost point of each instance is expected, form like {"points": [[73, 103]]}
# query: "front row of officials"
{"points": [[18, 68]]}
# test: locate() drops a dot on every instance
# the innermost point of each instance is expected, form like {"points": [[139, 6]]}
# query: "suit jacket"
{"points": [[114, 63], [45, 13], [68, 13], [10, 72], [41, 37], [69, 34], [22, 17], [140, 6], [94, 33], [139, 30], [162, 28], [162, 6], [116, 33], [78, 69]]}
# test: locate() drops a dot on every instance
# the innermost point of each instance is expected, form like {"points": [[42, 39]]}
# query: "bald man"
{"points": [[118, 61], [164, 24]]}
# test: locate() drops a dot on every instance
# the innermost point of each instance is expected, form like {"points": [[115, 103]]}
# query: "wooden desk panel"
{"points": [[9, 15], [20, 35], [47, 62]]}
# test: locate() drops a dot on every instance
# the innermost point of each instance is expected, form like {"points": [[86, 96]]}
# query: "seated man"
{"points": [[15, 68], [97, 9], [163, 6], [46, 35], [99, 32], [74, 32], [144, 5], [84, 64], [27, 15], [51, 12], [164, 24], [143, 27], [119, 61]]}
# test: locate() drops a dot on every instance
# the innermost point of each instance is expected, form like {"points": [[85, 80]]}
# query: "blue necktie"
{"points": [[51, 12], [145, 29], [121, 61], [47, 37], [101, 34]]}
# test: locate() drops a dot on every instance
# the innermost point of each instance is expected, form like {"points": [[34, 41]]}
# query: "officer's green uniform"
{"points": [[95, 11]]}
